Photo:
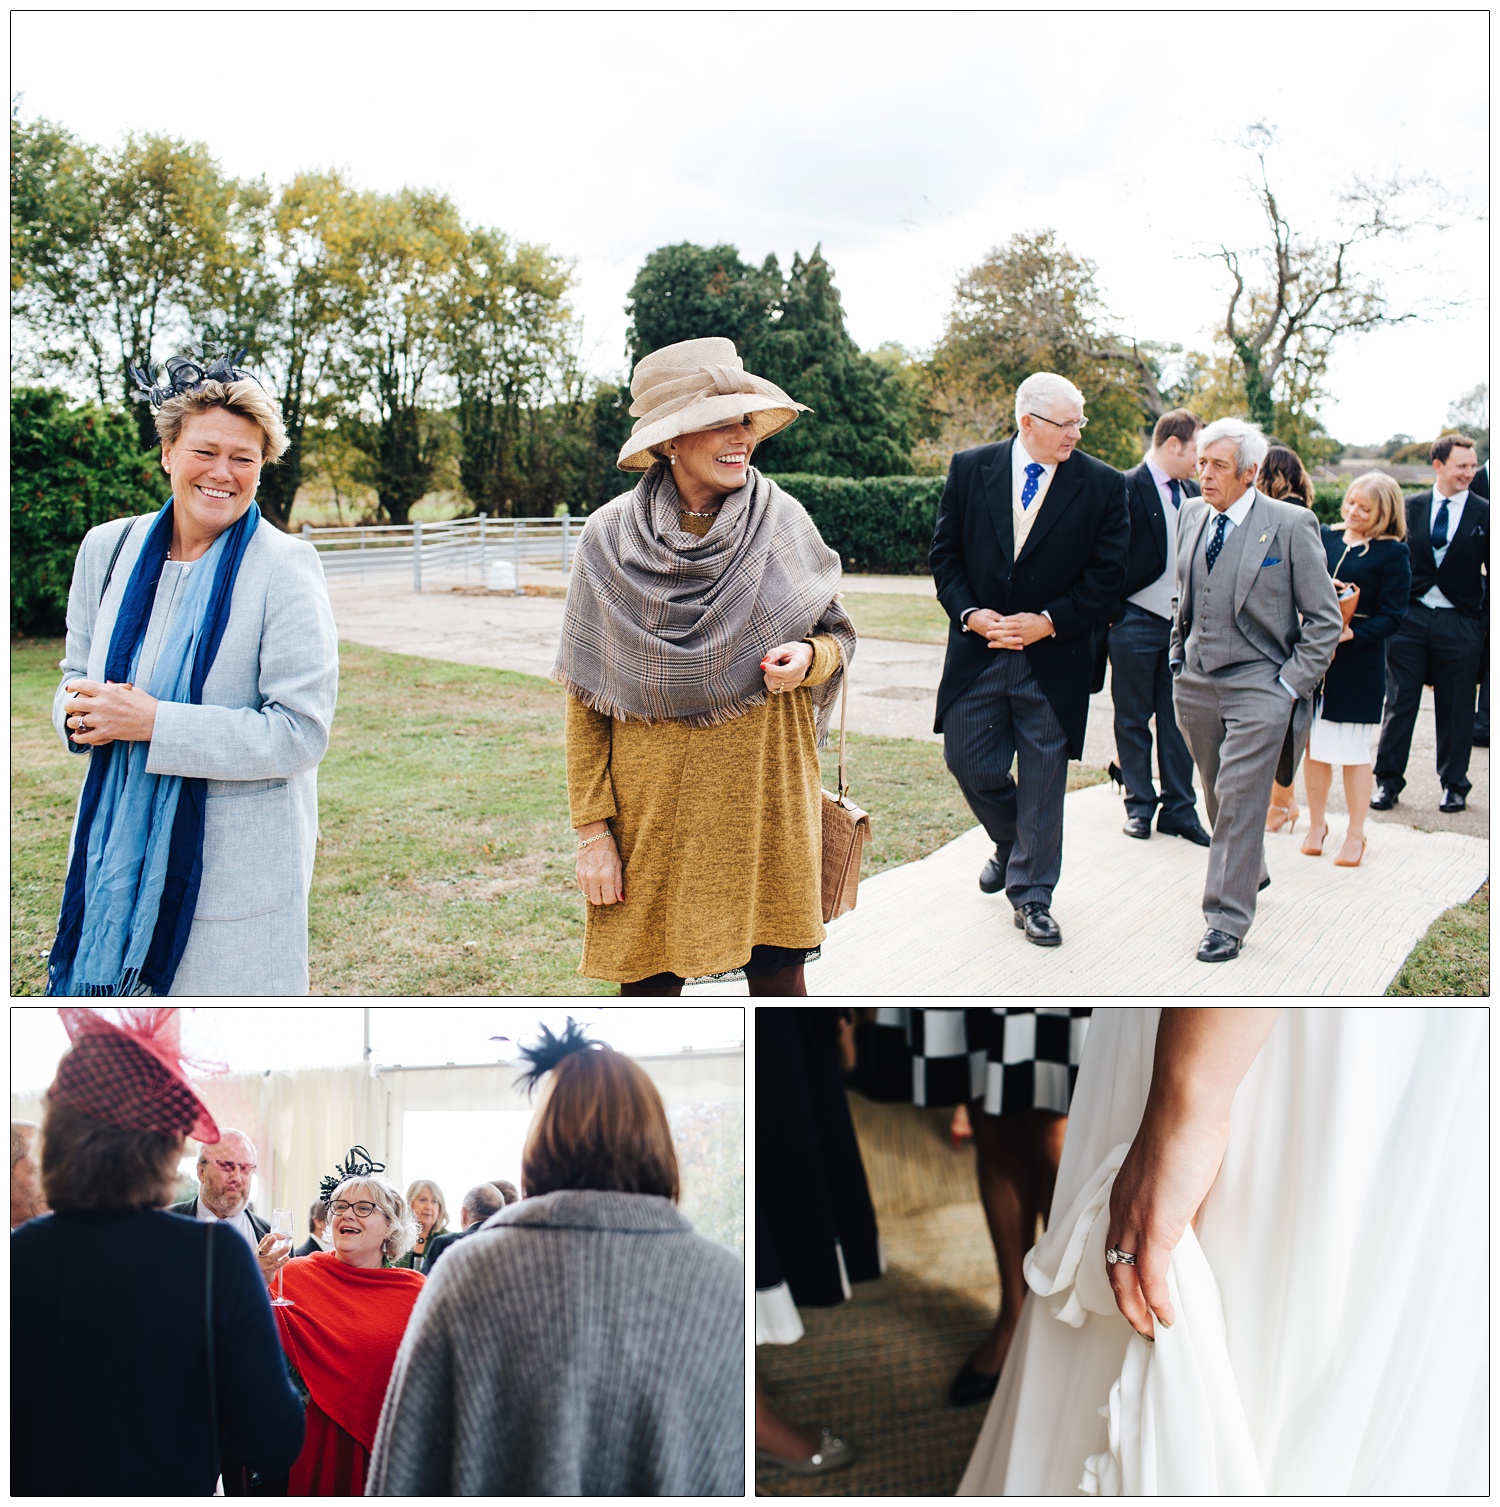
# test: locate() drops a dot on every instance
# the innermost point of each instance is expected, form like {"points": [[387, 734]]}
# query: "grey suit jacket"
{"points": [[1288, 611], [257, 739]]}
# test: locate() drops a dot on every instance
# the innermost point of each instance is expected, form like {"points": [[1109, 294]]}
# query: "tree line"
{"points": [[410, 349]]}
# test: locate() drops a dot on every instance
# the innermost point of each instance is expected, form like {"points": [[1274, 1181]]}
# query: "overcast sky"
{"points": [[907, 145]]}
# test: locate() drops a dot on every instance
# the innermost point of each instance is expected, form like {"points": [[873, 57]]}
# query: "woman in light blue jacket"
{"points": [[200, 678]]}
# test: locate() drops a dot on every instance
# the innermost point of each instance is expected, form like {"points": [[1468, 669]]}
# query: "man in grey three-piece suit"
{"points": [[1244, 666]]}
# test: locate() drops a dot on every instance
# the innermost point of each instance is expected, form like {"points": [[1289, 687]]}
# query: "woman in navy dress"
{"points": [[1368, 552]]}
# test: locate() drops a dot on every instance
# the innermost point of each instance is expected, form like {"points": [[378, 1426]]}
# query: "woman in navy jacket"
{"points": [[1368, 552], [117, 1305]]}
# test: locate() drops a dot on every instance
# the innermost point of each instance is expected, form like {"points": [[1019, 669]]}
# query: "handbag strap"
{"points": [[119, 545], [208, 1328], [843, 718]]}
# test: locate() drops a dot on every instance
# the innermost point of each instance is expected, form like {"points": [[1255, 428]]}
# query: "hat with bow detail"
{"points": [[696, 385]]}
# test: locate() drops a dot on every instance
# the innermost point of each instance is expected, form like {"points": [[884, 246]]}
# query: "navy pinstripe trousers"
{"points": [[1005, 718]]}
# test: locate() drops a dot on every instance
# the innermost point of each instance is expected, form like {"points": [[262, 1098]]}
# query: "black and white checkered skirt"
{"points": [[1011, 1058]]}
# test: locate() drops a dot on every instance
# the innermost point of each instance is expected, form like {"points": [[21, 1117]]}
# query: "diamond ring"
{"points": [[1115, 1256]]}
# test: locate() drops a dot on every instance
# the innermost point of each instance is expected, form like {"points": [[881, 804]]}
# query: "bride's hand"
{"points": [[1162, 1182]]}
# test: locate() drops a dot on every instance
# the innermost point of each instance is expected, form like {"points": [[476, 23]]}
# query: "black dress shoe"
{"points": [[1265, 884], [1384, 798], [1138, 826], [1036, 921], [971, 1386], [1218, 946], [1481, 740], [992, 875], [1193, 833], [1453, 800]]}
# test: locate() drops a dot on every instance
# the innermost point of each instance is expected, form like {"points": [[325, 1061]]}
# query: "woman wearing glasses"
{"points": [[343, 1325]]}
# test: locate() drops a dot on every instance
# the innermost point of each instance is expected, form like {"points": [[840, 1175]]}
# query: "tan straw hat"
{"points": [[695, 385]]}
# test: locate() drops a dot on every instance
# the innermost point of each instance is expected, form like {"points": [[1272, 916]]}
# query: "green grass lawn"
{"points": [[880, 614], [1454, 957]]}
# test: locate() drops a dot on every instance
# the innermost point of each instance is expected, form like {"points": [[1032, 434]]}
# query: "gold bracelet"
{"points": [[595, 838]]}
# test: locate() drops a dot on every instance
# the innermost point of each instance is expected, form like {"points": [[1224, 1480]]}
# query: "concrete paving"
{"points": [[892, 691]]}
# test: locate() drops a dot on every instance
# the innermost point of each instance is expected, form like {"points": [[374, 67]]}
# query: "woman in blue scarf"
{"points": [[200, 677]]}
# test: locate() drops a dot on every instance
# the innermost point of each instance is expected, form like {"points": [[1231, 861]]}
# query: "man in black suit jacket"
{"points": [[1441, 639], [1480, 487], [317, 1222], [1029, 556], [479, 1203], [1140, 631]]}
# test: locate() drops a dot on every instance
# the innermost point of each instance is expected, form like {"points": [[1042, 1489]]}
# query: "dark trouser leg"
{"points": [[656, 983], [1042, 782], [979, 747], [1133, 654], [1455, 675], [1482, 715], [1406, 672]]}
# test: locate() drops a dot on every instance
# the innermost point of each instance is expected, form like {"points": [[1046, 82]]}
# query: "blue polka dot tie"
{"points": [[1028, 492], [1217, 542]]}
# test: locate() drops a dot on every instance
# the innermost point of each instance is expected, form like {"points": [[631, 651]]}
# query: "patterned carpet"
{"points": [[877, 1368]]}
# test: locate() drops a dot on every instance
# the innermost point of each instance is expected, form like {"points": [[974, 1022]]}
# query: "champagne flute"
{"points": [[281, 1224]]}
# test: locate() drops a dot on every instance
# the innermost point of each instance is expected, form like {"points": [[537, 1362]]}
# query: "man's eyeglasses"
{"points": [[364, 1209], [1079, 424]]}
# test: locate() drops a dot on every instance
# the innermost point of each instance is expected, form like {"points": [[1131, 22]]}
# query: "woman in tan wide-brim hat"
{"points": [[702, 650]]}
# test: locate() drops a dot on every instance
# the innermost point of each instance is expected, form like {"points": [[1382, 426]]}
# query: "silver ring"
{"points": [[1115, 1256]]}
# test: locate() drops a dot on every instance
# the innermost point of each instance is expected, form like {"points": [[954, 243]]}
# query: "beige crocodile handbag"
{"points": [[846, 830]]}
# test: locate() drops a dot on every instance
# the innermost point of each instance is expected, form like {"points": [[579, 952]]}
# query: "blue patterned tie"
{"points": [[1217, 542], [1440, 527], [1176, 493], [1028, 492]]}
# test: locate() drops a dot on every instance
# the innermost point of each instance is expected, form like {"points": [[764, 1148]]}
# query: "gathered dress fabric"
{"points": [[1346, 719], [717, 814], [256, 739], [1332, 1300], [342, 1333]]}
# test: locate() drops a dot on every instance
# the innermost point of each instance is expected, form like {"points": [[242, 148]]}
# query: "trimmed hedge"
{"points": [[880, 525], [70, 469]]}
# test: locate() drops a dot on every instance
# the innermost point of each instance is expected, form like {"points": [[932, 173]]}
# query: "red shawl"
{"points": [[343, 1332]]}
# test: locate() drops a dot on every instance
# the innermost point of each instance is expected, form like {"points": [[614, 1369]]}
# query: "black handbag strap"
{"points": [[208, 1329], [120, 544]]}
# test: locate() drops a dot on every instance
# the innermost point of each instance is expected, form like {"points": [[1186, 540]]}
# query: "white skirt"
{"points": [[1342, 743], [1333, 1304]]}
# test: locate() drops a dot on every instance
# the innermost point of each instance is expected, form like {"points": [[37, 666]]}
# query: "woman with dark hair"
{"points": [[144, 1344], [1283, 476], [703, 650], [585, 1341]]}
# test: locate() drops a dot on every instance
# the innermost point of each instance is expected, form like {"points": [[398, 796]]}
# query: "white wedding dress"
{"points": [[1332, 1307]]}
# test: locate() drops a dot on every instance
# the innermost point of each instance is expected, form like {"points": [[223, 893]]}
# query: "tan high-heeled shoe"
{"points": [[1346, 863], [1279, 816], [1307, 843]]}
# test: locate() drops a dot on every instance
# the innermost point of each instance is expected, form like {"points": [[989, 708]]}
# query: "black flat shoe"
{"points": [[1265, 884], [992, 875], [1218, 946], [1453, 800], [1384, 798], [971, 1386], [1137, 826], [1036, 921], [1194, 833]]}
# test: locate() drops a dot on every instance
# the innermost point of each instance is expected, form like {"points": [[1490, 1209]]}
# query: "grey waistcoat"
{"points": [[1216, 640]]}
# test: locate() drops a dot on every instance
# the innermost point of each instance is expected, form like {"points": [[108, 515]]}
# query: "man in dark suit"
{"points": [[225, 1170], [1029, 556], [317, 1223], [1480, 487], [1441, 639], [1140, 630], [479, 1203]]}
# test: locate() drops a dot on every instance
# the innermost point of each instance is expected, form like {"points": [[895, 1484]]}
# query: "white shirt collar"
{"points": [[1455, 501], [1237, 510], [1021, 457]]}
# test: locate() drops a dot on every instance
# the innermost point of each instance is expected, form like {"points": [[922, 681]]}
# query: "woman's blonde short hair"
{"points": [[387, 1198], [1387, 500], [426, 1185], [246, 398]]}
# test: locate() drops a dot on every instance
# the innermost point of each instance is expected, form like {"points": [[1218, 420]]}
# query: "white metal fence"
{"points": [[455, 553]]}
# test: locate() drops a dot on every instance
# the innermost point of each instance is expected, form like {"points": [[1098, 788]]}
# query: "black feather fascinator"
{"points": [[356, 1164], [182, 374], [543, 1054]]}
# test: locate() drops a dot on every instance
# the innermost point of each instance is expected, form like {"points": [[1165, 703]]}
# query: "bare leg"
{"points": [[1318, 777], [1359, 781], [775, 1434], [1047, 1130], [786, 981], [1007, 1189], [1283, 804]]}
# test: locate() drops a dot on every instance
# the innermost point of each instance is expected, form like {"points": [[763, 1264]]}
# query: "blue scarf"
{"points": [[132, 885]]}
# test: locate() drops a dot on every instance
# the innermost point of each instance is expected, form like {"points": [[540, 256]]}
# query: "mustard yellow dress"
{"points": [[719, 830]]}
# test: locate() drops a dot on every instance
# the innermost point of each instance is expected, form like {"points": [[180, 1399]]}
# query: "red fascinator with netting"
{"points": [[131, 1072]]}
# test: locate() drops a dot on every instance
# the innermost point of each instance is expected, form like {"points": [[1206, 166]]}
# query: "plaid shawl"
{"points": [[664, 626]]}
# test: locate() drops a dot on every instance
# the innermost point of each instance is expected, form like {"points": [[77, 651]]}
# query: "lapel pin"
{"points": [[1262, 538]]}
